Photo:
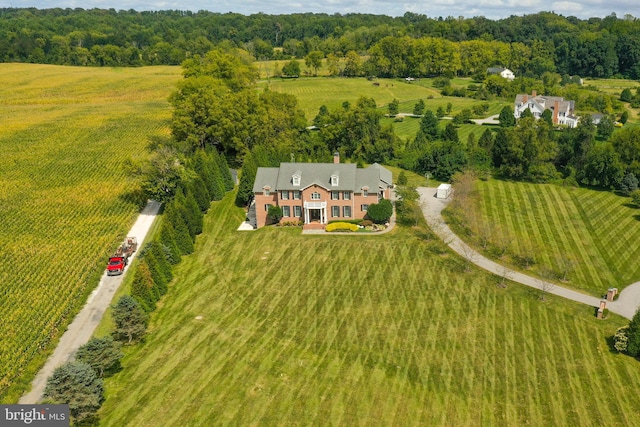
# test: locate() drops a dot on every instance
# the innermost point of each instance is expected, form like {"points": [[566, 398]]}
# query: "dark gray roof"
{"points": [[350, 178], [385, 175], [495, 70], [316, 173], [265, 177]]}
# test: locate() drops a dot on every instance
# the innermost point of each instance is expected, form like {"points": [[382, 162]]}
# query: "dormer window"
{"points": [[334, 180], [296, 180], [267, 190]]}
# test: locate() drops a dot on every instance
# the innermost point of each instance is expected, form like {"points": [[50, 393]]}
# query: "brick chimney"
{"points": [[525, 98], [533, 93], [556, 110], [336, 157]]}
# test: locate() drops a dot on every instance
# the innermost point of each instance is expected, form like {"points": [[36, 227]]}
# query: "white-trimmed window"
{"points": [[346, 195], [297, 211], [296, 180], [286, 211], [364, 208], [266, 207], [284, 195], [335, 195], [365, 193], [296, 194], [267, 192], [334, 180], [315, 196], [346, 211], [335, 211]]}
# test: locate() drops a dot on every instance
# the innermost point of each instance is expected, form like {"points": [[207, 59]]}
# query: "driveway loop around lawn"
{"points": [[626, 304]]}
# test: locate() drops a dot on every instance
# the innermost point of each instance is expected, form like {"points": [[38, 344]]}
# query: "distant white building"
{"points": [[561, 109], [502, 72]]}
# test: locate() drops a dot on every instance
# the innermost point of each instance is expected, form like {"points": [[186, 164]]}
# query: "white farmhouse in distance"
{"points": [[502, 72]]}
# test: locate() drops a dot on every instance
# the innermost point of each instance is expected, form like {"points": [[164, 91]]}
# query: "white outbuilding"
{"points": [[444, 190]]}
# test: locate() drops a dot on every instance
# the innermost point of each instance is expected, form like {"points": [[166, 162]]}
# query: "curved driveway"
{"points": [[626, 304]]}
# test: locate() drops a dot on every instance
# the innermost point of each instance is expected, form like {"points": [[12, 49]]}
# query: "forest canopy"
{"points": [[529, 44]]}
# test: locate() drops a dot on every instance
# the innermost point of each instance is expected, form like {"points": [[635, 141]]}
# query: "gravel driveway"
{"points": [[81, 329], [626, 305]]}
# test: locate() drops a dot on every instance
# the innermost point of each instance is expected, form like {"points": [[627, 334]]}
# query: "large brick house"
{"points": [[317, 193], [561, 109]]}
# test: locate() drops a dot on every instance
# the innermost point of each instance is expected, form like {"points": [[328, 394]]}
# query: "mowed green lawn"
{"points": [[597, 231], [66, 134], [273, 327], [409, 126], [313, 92]]}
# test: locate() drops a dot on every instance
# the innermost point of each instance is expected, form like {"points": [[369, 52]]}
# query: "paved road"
{"points": [[81, 329], [626, 305], [491, 120]]}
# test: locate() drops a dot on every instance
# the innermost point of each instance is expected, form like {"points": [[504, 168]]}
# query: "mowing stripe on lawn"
{"points": [[406, 340], [586, 275], [559, 221]]}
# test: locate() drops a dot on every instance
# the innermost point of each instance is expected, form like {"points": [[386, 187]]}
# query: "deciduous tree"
{"points": [[274, 214], [394, 107], [380, 212], [314, 60], [605, 127], [291, 68]]}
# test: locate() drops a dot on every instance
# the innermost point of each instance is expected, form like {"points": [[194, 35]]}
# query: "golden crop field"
{"points": [[65, 135]]}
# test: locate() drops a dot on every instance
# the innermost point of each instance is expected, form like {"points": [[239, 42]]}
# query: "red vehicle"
{"points": [[118, 261]]}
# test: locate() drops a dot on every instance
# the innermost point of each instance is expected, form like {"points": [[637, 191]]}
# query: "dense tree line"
{"points": [[529, 44], [217, 108], [532, 150]]}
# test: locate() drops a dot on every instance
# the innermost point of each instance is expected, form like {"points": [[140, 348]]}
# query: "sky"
{"points": [[492, 9]]}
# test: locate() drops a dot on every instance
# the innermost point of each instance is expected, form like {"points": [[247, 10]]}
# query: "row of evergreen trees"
{"points": [[182, 222], [80, 383]]}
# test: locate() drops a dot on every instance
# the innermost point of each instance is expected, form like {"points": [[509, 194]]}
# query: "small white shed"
{"points": [[444, 190]]}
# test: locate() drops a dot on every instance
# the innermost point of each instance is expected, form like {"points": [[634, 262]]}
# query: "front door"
{"points": [[314, 215]]}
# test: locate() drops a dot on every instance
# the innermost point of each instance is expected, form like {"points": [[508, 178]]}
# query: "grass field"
{"points": [[378, 330], [66, 133], [615, 87], [594, 231], [408, 127], [313, 92]]}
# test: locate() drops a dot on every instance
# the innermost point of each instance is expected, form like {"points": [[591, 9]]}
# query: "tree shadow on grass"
{"points": [[611, 344]]}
